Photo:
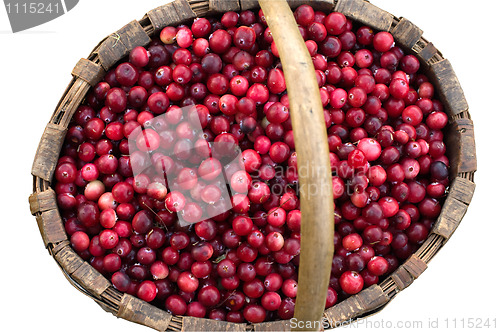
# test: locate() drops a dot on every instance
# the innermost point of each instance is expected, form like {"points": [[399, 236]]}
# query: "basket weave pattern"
{"points": [[89, 71]]}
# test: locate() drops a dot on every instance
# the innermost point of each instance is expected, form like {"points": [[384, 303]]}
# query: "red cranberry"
{"points": [[220, 41], [276, 81], [209, 296], [254, 313], [336, 23], [244, 37], [66, 173], [80, 241], [116, 100], [176, 305], [304, 15], [123, 192], [352, 242], [365, 35], [187, 282], [370, 147], [383, 41], [200, 27], [126, 74], [351, 282]]}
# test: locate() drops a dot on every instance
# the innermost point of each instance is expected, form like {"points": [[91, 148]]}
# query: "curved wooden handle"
{"points": [[315, 178]]}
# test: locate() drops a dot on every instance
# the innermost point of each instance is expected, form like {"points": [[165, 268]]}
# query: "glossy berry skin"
{"points": [[209, 296], [175, 201], [116, 100], [254, 313], [220, 41], [352, 242], [187, 282], [370, 148], [176, 305], [80, 241], [304, 15], [66, 173], [351, 282], [244, 37], [378, 266], [226, 268], [147, 291], [383, 41]]}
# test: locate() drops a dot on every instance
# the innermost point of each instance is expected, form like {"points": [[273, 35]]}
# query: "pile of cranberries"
{"points": [[390, 172]]}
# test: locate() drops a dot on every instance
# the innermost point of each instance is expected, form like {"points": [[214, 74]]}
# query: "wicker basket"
{"points": [[89, 71]]}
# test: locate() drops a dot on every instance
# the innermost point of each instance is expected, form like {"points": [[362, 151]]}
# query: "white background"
{"points": [[35, 65]]}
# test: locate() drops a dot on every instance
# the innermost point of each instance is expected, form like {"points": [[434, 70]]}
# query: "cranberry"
{"points": [[196, 309], [139, 57], [383, 41], [112, 263], [276, 81], [244, 37], [410, 64], [142, 222], [254, 313], [271, 301], [274, 241], [429, 207], [370, 147], [258, 93], [277, 113], [220, 41], [88, 214], [437, 120], [176, 305], [126, 74], [116, 100], [121, 281], [229, 19], [437, 149], [167, 35], [184, 37], [417, 232], [123, 192], [66, 173], [80, 241], [304, 15], [287, 308], [352, 242], [365, 35], [146, 256], [335, 23], [200, 27], [226, 268], [217, 314], [399, 88], [279, 152], [192, 213], [187, 282], [209, 296], [351, 282]]}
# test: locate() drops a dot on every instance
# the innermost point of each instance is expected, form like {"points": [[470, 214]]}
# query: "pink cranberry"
{"points": [[370, 147]]}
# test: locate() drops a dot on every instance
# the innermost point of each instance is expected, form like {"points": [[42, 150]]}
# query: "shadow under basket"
{"points": [[459, 137]]}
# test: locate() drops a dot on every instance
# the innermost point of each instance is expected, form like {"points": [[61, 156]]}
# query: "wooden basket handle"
{"points": [[315, 178]]}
